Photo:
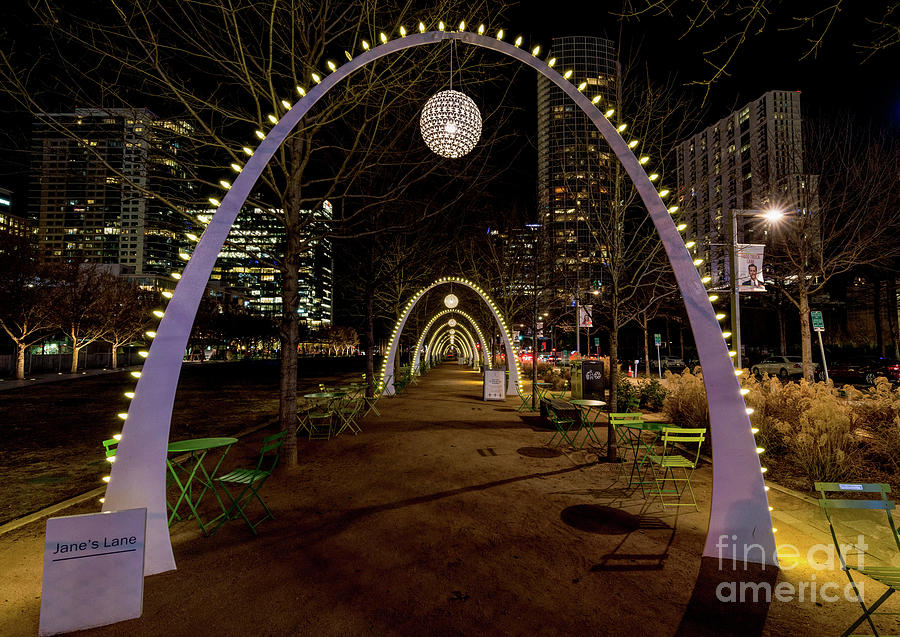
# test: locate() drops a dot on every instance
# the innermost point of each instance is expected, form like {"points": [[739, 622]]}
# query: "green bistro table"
{"points": [[585, 406], [642, 437], [542, 389], [190, 470]]}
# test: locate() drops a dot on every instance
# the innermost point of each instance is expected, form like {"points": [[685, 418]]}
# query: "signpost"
{"points": [[494, 381], [657, 340], [93, 570], [818, 326]]}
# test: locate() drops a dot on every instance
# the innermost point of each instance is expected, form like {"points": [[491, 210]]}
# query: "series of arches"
{"points": [[739, 509]]}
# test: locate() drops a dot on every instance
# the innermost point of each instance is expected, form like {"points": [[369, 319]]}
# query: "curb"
{"points": [[18, 523]]}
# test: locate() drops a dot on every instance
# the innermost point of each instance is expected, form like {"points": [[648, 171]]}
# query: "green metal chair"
{"points": [[348, 415], [250, 482], [887, 575], [670, 460], [319, 424], [525, 398], [622, 418], [563, 428]]}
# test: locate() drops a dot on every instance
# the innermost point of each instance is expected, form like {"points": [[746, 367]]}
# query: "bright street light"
{"points": [[773, 215]]}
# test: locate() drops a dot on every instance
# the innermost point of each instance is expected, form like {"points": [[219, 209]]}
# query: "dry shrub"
{"points": [[820, 442], [877, 410], [685, 401]]}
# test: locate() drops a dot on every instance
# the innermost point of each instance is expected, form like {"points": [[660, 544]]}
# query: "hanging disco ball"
{"points": [[452, 322], [451, 301], [450, 124]]}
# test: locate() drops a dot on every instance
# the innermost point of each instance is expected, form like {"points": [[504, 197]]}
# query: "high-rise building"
{"points": [[92, 172], [750, 160], [248, 265], [575, 165], [10, 223]]}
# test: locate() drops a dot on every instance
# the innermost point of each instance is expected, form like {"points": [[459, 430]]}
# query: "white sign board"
{"points": [[93, 570], [494, 381]]}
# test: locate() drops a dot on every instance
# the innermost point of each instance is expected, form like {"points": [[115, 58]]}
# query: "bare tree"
{"points": [[127, 310], [226, 70], [727, 27], [27, 308], [82, 304], [845, 213]]}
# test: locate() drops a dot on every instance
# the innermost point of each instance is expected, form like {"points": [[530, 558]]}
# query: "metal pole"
{"points": [[577, 320], [735, 298], [822, 351]]}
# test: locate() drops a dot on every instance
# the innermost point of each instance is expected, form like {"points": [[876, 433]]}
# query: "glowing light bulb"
{"points": [[705, 279], [754, 430], [760, 450], [365, 45], [698, 261], [551, 62], [302, 91], [536, 50], [673, 209], [421, 27], [726, 334], [441, 25], [500, 34], [272, 118], [713, 298], [480, 29], [568, 74], [158, 313], [331, 65], [260, 134], [383, 37], [518, 41], [176, 275], [184, 256], [316, 78], [462, 25], [215, 202], [106, 478], [720, 316], [235, 167], [129, 394]]}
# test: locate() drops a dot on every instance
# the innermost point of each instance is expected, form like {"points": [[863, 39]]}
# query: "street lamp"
{"points": [[772, 215], [534, 227]]}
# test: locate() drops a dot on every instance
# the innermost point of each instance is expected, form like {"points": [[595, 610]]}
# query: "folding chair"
{"points": [[622, 418], [252, 481], [887, 575], [348, 415], [563, 426], [319, 424], [666, 463], [525, 398]]}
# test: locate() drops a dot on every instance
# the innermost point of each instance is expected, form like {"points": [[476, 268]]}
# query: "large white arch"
{"points": [[512, 364], [483, 356], [739, 508]]}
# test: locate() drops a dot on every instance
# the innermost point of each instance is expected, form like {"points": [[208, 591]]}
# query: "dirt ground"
{"points": [[446, 516], [52, 432]]}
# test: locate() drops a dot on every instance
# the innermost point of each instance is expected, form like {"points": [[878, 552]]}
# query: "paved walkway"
{"points": [[451, 516]]}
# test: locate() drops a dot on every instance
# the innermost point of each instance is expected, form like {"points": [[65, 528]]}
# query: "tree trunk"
{"points": [[113, 359], [75, 351], [370, 341], [782, 334], [876, 310], [805, 337], [288, 334], [613, 373], [645, 326], [20, 360]]}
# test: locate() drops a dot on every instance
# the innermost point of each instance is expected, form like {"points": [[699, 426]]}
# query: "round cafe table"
{"points": [[586, 406], [186, 471]]}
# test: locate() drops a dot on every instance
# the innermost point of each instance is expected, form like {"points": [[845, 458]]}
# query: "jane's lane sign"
{"points": [[93, 570]]}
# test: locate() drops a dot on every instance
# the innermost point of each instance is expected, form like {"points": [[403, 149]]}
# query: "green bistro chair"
{"points": [[564, 427], [249, 482], [667, 465], [887, 575], [525, 398], [348, 416], [319, 424], [622, 418]]}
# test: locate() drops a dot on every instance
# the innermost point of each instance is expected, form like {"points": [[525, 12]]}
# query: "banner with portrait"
{"points": [[750, 267], [584, 316]]}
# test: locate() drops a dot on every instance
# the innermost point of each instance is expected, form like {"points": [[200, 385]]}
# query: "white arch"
{"points": [[446, 341], [512, 360], [739, 508], [484, 356], [468, 340]]}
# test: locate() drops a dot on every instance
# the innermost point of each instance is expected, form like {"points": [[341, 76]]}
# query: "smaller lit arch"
{"points": [[484, 355]]}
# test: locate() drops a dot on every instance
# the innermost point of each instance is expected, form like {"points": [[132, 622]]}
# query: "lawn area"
{"points": [[53, 431]]}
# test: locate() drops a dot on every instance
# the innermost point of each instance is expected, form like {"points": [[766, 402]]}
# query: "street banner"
{"points": [[750, 267], [540, 329], [584, 316]]}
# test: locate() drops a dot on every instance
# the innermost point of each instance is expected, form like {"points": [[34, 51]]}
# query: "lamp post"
{"points": [[771, 215], [535, 227]]}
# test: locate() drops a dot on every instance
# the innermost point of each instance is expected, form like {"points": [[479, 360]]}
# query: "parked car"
{"points": [[865, 370], [781, 366], [668, 362]]}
